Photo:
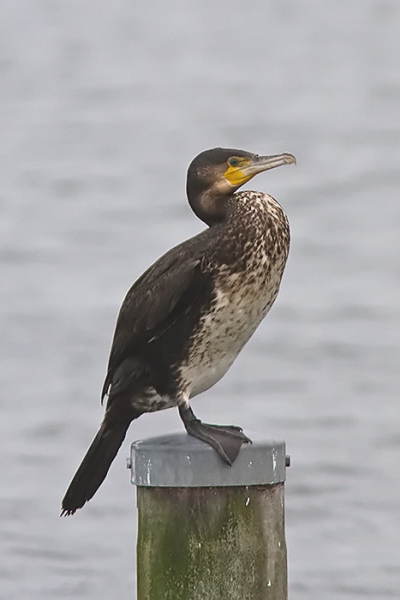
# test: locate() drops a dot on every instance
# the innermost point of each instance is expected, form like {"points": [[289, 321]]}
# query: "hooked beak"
{"points": [[238, 175], [259, 164], [250, 166]]}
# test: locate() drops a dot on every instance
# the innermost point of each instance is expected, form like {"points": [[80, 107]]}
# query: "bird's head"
{"points": [[216, 174]]}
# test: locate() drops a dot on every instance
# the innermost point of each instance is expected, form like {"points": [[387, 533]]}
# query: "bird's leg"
{"points": [[225, 439]]}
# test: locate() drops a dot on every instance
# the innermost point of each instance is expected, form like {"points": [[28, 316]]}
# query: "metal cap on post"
{"points": [[180, 460], [208, 530]]}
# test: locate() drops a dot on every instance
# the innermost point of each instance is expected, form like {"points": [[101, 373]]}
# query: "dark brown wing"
{"points": [[152, 305]]}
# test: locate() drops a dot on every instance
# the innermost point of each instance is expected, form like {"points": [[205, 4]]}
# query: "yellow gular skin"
{"points": [[234, 174]]}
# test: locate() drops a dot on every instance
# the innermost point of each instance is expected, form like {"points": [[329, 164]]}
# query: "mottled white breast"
{"points": [[224, 332], [244, 293]]}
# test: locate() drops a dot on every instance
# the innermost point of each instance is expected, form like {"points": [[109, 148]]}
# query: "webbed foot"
{"points": [[225, 439]]}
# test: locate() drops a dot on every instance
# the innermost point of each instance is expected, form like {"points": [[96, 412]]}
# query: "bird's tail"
{"points": [[95, 465]]}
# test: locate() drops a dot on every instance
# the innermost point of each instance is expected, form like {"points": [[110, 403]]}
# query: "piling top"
{"points": [[180, 460]]}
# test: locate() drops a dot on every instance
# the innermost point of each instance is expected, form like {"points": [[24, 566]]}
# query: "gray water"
{"points": [[102, 107]]}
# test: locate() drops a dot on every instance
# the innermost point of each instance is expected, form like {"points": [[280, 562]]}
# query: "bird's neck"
{"points": [[209, 205]]}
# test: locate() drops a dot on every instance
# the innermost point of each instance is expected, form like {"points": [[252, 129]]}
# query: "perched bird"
{"points": [[185, 320]]}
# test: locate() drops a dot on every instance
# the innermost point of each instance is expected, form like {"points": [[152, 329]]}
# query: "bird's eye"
{"points": [[233, 162]]}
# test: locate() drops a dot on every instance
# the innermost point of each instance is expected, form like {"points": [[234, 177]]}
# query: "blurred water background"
{"points": [[102, 107]]}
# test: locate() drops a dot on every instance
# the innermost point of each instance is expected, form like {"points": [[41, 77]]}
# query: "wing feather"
{"points": [[152, 305]]}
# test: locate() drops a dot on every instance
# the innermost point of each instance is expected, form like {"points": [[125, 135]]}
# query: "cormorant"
{"points": [[185, 320]]}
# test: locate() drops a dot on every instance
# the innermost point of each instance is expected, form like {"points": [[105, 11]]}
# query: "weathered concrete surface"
{"points": [[211, 543]]}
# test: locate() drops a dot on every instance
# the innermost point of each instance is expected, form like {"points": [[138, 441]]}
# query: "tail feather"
{"points": [[94, 467]]}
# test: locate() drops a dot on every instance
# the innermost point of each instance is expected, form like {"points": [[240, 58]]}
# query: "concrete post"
{"points": [[208, 531]]}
